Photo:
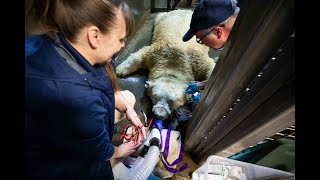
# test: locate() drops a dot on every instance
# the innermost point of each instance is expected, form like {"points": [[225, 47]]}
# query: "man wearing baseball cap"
{"points": [[212, 21]]}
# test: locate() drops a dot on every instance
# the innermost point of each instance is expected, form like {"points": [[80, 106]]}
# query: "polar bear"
{"points": [[171, 63]]}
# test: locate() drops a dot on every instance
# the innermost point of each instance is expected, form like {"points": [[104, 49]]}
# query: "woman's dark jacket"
{"points": [[69, 113]]}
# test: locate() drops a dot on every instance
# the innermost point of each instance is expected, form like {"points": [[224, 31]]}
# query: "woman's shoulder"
{"points": [[33, 43]]}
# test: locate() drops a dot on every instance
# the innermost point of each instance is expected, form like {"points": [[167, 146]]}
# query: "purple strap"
{"points": [[173, 170], [166, 151]]}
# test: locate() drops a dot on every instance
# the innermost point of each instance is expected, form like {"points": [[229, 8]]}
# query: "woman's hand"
{"points": [[125, 149], [136, 125]]}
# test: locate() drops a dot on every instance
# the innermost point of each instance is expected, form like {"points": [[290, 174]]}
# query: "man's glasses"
{"points": [[199, 40]]}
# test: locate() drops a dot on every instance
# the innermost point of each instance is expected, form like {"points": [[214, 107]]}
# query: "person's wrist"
{"points": [[199, 85], [127, 108], [116, 152]]}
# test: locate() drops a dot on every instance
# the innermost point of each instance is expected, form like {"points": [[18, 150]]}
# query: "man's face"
{"points": [[214, 37]]}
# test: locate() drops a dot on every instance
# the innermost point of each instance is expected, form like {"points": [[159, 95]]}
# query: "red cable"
{"points": [[131, 136]]}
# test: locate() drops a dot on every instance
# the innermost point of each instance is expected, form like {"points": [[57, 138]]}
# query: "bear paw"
{"points": [[122, 70]]}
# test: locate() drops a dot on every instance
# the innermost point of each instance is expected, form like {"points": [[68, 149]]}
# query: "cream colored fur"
{"points": [[172, 63], [173, 154]]}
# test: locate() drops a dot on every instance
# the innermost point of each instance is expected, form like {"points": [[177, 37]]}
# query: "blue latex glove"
{"points": [[196, 97], [192, 88]]}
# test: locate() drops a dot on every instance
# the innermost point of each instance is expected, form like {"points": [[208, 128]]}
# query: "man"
{"points": [[211, 23]]}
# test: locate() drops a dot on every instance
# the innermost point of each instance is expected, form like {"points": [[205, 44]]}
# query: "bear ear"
{"points": [[148, 84]]}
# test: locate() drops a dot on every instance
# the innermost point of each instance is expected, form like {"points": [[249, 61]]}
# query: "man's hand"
{"points": [[192, 88], [196, 97]]}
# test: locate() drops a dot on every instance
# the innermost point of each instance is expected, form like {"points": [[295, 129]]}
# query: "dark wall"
{"points": [[138, 7]]}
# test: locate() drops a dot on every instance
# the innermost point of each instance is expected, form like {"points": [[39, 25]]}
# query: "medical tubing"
{"points": [[144, 151], [142, 169], [136, 165], [140, 159], [155, 136]]}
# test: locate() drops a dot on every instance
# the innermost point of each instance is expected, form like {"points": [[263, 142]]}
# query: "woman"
{"points": [[70, 99]]}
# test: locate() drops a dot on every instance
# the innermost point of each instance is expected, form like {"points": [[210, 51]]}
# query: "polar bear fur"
{"points": [[171, 63]]}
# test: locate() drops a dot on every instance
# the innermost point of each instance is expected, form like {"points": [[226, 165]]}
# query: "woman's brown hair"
{"points": [[70, 16]]}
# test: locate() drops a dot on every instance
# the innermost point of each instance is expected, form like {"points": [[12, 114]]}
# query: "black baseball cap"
{"points": [[209, 13]]}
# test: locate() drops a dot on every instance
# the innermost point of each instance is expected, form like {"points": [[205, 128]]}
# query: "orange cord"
{"points": [[129, 137], [147, 129]]}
